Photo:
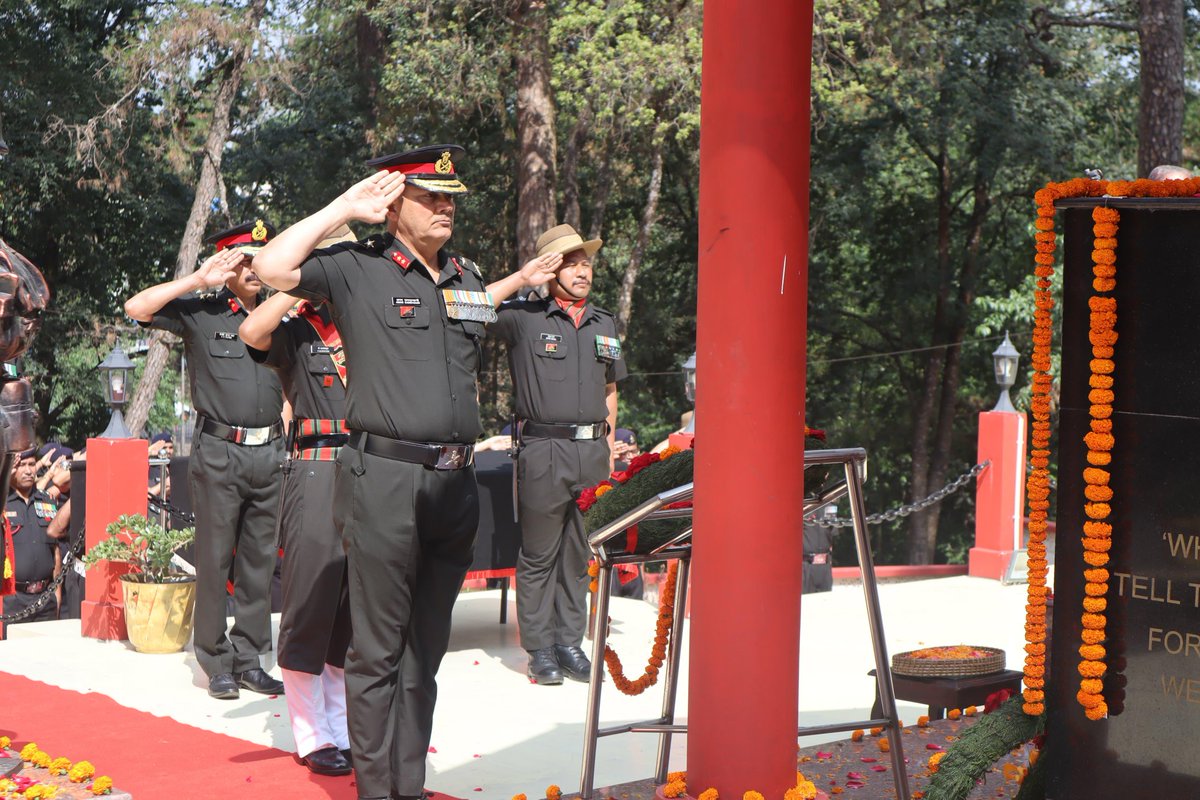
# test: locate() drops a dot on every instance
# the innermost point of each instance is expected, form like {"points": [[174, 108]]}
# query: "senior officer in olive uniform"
{"points": [[411, 317], [298, 340], [565, 360], [36, 527], [234, 470]]}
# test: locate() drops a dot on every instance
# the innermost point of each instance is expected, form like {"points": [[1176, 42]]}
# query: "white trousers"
{"points": [[317, 706]]}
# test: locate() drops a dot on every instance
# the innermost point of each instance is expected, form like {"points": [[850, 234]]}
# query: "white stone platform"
{"points": [[496, 734]]}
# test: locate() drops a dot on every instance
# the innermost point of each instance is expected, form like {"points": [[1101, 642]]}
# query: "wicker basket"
{"points": [[991, 661]]}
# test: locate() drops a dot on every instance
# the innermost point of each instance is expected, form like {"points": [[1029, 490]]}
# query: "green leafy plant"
{"points": [[143, 543]]}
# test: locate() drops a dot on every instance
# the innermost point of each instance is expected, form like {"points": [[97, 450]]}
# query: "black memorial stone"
{"points": [[1145, 748]]}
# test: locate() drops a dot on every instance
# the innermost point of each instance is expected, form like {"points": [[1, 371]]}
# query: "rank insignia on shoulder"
{"points": [[608, 348], [401, 259], [551, 347], [226, 336], [470, 306]]}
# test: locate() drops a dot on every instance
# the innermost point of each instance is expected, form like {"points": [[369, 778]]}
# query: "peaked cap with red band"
{"points": [[248, 238], [431, 168]]}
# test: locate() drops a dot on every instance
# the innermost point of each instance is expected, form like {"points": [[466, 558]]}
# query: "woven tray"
{"points": [[991, 660]]}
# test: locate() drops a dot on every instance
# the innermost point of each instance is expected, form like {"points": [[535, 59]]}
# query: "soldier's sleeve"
{"points": [[175, 317], [506, 324], [616, 371], [319, 275], [282, 353]]}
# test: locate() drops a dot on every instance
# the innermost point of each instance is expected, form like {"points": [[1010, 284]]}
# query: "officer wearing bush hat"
{"points": [[411, 316], [565, 359], [234, 469]]}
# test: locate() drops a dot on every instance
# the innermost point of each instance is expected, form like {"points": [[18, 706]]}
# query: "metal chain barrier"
{"points": [[158, 505], [904, 511]]}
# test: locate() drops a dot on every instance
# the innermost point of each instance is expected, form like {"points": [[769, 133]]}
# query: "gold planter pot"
{"points": [[158, 616]]}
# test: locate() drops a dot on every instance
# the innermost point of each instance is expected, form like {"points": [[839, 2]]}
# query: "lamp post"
{"points": [[1004, 360], [114, 371]]}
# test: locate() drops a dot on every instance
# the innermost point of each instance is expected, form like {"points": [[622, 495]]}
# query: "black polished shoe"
{"points": [[327, 761], [575, 665], [223, 686], [257, 680], [543, 668]]}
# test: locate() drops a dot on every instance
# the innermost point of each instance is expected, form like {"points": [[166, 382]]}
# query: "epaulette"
{"points": [[373, 244], [603, 311], [467, 263]]}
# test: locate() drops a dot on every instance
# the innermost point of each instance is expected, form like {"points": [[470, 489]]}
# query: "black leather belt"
{"points": [[435, 456], [563, 430], [322, 440], [251, 437], [33, 587], [817, 558]]}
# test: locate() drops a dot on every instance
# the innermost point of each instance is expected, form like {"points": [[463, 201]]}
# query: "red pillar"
{"points": [[999, 493], [117, 474], [745, 626]]}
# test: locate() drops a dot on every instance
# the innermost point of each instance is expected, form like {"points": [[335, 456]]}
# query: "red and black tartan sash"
{"points": [[328, 334], [317, 427]]}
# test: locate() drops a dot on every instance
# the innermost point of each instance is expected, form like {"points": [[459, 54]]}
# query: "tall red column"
{"points": [[999, 493], [745, 625], [117, 474]]}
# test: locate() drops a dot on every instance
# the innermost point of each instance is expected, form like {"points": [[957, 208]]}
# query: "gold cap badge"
{"points": [[444, 165], [259, 234]]}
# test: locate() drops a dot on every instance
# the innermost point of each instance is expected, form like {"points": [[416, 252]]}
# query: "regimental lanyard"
{"points": [[329, 335], [472, 306], [608, 348]]}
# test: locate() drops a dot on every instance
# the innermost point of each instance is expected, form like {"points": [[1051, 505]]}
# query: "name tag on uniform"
{"points": [[608, 348], [470, 306], [10, 514], [321, 350], [551, 337], [407, 305], [223, 335]]}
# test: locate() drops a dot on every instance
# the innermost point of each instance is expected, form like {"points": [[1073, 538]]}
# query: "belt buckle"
{"points": [[255, 436], [35, 587], [585, 431], [449, 457]]}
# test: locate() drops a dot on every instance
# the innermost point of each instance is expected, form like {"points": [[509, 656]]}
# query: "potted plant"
{"points": [[159, 598]]}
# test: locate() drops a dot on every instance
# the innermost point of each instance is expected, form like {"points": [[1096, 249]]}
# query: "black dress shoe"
{"points": [[257, 680], [223, 686], [575, 665], [327, 761], [543, 668]]}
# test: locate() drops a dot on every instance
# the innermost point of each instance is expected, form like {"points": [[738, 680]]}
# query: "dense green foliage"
{"points": [[933, 123]]}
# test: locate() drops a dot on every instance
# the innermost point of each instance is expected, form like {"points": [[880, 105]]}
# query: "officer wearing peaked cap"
{"points": [[411, 316], [234, 469]]}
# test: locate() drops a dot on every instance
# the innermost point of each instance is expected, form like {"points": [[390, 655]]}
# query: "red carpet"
{"points": [[154, 758]]}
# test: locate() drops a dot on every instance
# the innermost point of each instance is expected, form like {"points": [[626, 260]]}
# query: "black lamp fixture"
{"points": [[1004, 360], [689, 388], [115, 370]]}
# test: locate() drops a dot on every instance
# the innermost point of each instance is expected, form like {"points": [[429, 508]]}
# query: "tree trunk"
{"points": [[535, 130], [207, 185], [568, 177], [1160, 114], [369, 41], [921, 539], [649, 215]]}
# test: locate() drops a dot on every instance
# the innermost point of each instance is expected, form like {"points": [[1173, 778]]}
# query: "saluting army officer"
{"points": [[234, 470], [299, 341], [565, 360], [412, 319]]}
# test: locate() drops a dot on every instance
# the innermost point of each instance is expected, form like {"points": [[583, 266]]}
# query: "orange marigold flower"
{"points": [[1092, 669], [752, 795], [1092, 637], [1096, 588], [1091, 685], [1088, 700], [709, 794], [1100, 459], [953, 713], [1092, 652], [856, 736], [1096, 575], [1094, 605], [1097, 712], [553, 792], [102, 785], [1095, 559], [923, 721], [1100, 494], [884, 745]]}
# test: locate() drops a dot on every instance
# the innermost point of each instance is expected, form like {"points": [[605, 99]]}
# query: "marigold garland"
{"points": [[1100, 442], [666, 618], [676, 786], [32, 789]]}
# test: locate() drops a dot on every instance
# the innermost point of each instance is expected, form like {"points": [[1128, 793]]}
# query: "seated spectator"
{"points": [[37, 524]]}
